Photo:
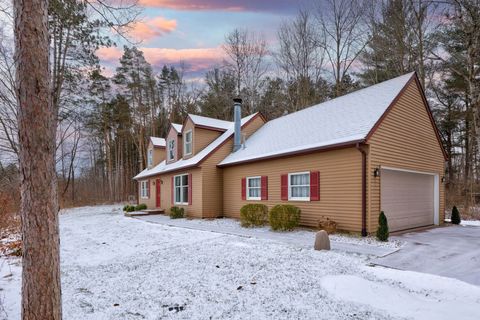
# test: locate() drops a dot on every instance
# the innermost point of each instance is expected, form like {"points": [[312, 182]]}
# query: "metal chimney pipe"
{"points": [[237, 118]]}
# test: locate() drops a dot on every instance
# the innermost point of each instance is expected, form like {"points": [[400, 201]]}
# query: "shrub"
{"points": [[456, 216], [382, 230], [141, 206], [130, 209], [125, 207], [176, 213], [284, 217], [253, 215]]}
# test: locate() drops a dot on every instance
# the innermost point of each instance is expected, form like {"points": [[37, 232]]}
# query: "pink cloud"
{"points": [[151, 28], [224, 5], [195, 59]]}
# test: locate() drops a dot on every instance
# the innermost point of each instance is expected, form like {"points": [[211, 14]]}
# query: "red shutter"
{"points": [[173, 191], [244, 188], [314, 186], [148, 188], [264, 189], [284, 186], [190, 186]]}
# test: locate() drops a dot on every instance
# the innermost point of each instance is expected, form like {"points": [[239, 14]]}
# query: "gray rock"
{"points": [[322, 242]]}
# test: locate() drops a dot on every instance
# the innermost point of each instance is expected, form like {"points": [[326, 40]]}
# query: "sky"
{"points": [[191, 32]]}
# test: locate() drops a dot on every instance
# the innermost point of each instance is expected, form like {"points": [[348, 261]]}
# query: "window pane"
{"points": [[254, 193], [299, 179], [177, 181], [254, 182], [300, 192], [177, 194], [185, 180], [185, 194]]}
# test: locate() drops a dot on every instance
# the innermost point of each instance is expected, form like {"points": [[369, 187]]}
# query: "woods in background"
{"points": [[327, 50]]}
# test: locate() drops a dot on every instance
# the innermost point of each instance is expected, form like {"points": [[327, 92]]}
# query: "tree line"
{"points": [[326, 50]]}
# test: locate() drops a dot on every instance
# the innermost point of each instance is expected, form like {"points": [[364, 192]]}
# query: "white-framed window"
{"points": [[171, 149], [150, 157], [254, 188], [299, 186], [144, 189], [181, 189], [187, 143]]}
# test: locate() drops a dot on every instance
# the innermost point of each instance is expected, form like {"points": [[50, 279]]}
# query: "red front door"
{"points": [[157, 193]]}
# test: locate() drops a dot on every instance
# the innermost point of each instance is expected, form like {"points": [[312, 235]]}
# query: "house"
{"points": [[347, 159]]}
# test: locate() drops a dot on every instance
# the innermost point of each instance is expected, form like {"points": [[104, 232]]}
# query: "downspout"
{"points": [[364, 189]]}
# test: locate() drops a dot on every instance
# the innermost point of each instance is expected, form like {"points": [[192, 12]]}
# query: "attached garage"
{"points": [[409, 199]]}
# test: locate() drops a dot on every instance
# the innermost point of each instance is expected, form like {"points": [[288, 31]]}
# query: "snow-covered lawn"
{"points": [[115, 267]]}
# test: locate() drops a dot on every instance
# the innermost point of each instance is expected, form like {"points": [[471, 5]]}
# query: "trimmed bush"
{"points": [[253, 215], [176, 213], [125, 207], [130, 208], [284, 217], [382, 230], [456, 216], [141, 206]]}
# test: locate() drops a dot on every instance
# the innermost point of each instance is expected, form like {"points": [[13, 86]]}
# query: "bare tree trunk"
{"points": [[41, 291]]}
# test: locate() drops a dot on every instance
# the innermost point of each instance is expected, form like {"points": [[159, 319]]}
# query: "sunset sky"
{"points": [[192, 31]]}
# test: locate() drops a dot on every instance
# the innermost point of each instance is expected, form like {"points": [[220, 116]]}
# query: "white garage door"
{"points": [[407, 199]]}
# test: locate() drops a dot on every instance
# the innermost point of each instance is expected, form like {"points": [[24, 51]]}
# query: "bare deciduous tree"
{"points": [[342, 22], [246, 52]]}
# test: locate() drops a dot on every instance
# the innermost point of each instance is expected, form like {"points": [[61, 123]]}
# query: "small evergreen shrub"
{"points": [[177, 213], [456, 216], [130, 208], [382, 230], [125, 207], [253, 215], [140, 207], [284, 217]]}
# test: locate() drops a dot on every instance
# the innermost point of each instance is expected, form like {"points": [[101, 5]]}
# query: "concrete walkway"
{"points": [[302, 238], [452, 251]]}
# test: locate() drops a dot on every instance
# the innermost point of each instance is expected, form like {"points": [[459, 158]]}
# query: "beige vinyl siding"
{"points": [[159, 154], [340, 186], [405, 139], [213, 177], [193, 210], [150, 201]]}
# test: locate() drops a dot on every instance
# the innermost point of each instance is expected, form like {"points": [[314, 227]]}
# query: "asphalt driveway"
{"points": [[452, 251]]}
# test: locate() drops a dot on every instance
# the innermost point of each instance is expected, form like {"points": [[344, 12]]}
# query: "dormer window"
{"points": [[171, 149], [187, 143], [150, 158]]}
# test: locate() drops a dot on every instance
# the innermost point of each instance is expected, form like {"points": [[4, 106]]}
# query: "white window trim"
{"points": [[247, 187], [181, 186], [169, 148], [290, 198], [142, 189], [150, 157], [185, 143]]}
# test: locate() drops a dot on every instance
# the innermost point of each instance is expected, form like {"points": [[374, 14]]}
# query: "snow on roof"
{"points": [[158, 142], [344, 119], [210, 122], [177, 127], [163, 167]]}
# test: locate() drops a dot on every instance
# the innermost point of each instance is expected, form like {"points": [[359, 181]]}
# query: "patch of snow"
{"points": [[163, 167], [158, 142], [177, 127], [114, 267], [343, 119], [210, 122], [407, 294], [473, 223]]}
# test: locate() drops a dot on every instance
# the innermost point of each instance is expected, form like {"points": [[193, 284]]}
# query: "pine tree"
{"points": [[382, 230], [455, 216]]}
